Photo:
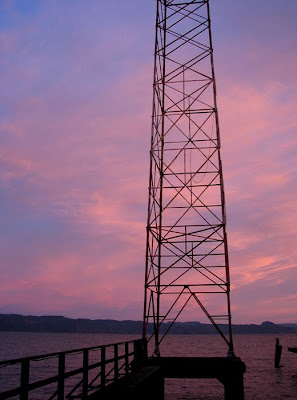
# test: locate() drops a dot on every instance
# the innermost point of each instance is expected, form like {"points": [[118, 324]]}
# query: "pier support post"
{"points": [[234, 387]]}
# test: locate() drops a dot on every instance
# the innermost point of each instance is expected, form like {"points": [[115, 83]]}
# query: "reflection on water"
{"points": [[262, 380]]}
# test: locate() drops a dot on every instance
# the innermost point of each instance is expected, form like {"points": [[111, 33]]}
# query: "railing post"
{"points": [[127, 358], [25, 372], [103, 358], [61, 372], [116, 362], [85, 373]]}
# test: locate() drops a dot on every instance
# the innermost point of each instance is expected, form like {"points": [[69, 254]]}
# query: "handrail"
{"points": [[110, 369], [47, 355]]}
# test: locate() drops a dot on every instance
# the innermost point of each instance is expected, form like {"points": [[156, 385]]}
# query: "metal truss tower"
{"points": [[186, 253]]}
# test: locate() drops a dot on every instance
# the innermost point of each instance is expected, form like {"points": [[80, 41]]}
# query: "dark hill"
{"points": [[30, 323]]}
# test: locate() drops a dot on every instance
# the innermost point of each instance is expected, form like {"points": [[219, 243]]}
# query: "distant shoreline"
{"points": [[60, 324]]}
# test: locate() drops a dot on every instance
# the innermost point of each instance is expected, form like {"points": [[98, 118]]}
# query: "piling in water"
{"points": [[278, 353]]}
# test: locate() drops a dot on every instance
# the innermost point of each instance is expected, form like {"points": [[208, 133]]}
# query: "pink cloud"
{"points": [[75, 136]]}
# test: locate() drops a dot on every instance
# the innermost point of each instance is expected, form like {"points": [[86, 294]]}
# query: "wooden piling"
{"points": [[278, 353]]}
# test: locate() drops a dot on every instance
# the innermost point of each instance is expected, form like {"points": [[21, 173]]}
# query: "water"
{"points": [[262, 380]]}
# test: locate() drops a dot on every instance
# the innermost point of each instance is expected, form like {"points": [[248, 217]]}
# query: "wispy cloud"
{"points": [[75, 132]]}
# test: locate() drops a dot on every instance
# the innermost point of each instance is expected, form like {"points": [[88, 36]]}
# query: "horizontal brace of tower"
{"points": [[185, 3], [166, 292], [190, 284], [188, 186], [191, 241], [189, 173], [196, 267], [187, 112], [193, 206]]}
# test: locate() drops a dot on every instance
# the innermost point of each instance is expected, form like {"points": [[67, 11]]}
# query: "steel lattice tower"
{"points": [[186, 252]]}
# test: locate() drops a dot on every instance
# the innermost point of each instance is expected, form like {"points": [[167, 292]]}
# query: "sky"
{"points": [[75, 115]]}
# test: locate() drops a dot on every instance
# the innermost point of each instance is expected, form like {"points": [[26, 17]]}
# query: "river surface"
{"points": [[262, 380]]}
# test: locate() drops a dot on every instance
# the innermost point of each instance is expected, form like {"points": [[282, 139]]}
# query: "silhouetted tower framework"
{"points": [[186, 255]]}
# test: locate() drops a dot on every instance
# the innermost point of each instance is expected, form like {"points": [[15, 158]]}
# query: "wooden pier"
{"points": [[148, 381], [113, 372]]}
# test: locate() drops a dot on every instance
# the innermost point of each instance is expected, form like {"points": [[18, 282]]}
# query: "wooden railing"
{"points": [[73, 374]]}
